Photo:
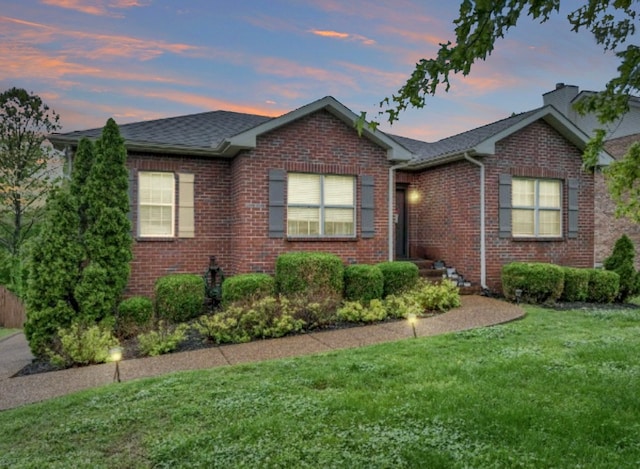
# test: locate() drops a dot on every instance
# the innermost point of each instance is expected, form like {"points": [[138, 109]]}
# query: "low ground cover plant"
{"points": [[82, 344], [163, 339]]}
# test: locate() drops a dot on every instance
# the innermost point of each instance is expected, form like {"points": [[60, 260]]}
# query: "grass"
{"points": [[5, 332], [557, 389]]}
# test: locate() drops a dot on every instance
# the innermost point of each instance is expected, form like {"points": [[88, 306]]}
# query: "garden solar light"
{"points": [[412, 318], [115, 354]]}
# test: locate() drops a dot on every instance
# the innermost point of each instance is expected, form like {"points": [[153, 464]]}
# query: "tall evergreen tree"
{"points": [[53, 271], [107, 236], [79, 266]]}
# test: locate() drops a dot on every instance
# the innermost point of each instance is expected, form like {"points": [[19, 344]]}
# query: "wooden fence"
{"points": [[12, 312]]}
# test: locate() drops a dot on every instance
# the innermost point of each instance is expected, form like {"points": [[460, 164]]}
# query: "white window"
{"points": [[536, 207], [320, 205], [156, 201]]}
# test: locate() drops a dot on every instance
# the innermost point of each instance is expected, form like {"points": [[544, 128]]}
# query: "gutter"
{"points": [[391, 222], [483, 242]]}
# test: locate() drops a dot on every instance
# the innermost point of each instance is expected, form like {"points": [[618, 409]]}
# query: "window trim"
{"points": [[173, 204], [537, 208], [322, 207]]}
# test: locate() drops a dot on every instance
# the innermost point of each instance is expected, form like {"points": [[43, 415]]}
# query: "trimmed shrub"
{"points": [[247, 287], [134, 315], [363, 282], [603, 285], [82, 345], [576, 284], [621, 261], [179, 297], [308, 272], [399, 276], [164, 339], [539, 282]]}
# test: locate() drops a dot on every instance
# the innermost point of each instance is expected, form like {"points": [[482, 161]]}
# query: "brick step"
{"points": [[427, 271]]}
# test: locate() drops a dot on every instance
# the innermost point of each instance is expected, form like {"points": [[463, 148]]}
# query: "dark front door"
{"points": [[400, 219]]}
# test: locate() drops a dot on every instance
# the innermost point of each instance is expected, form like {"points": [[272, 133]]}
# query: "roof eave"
{"points": [[60, 143]]}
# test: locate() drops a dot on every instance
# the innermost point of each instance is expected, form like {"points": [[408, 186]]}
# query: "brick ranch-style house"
{"points": [[247, 188]]}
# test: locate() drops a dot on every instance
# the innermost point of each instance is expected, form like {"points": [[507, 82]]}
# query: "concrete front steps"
{"points": [[435, 271]]}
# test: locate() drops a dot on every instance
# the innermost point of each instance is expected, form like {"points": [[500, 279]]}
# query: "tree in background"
{"points": [[28, 171], [482, 22], [79, 265]]}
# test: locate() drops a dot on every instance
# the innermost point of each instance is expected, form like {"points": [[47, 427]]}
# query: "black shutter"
{"points": [[367, 206], [504, 202], [572, 205], [277, 180]]}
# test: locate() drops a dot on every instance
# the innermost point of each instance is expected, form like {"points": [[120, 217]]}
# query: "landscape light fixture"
{"points": [[115, 354], [518, 293], [412, 318]]}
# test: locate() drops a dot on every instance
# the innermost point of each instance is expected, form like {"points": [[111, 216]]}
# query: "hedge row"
{"points": [[543, 283]]}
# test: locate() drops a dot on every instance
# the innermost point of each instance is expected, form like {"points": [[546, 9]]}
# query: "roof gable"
{"points": [[482, 140], [247, 139]]}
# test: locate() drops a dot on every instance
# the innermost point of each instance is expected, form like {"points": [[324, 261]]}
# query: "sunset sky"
{"points": [[146, 59]]}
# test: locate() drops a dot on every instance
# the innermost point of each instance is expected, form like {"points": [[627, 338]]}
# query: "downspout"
{"points": [[483, 251], [391, 222]]}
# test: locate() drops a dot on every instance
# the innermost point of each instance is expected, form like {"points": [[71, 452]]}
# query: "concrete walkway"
{"points": [[476, 311]]}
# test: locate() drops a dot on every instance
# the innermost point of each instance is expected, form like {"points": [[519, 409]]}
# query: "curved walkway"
{"points": [[476, 311]]}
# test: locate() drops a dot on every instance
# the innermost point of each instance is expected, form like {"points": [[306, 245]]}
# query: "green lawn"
{"points": [[5, 332], [557, 389]]}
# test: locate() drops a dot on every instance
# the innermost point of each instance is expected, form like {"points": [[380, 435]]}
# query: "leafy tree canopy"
{"points": [[482, 22]]}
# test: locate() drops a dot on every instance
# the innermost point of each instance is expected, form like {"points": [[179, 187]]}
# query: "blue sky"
{"points": [[145, 59]]}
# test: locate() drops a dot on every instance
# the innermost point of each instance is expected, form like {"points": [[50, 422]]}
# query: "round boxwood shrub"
{"points": [[309, 272], [576, 284], [134, 314], [539, 282], [247, 286], [363, 283], [179, 297], [398, 276], [603, 285]]}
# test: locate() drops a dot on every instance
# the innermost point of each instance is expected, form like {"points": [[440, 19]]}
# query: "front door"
{"points": [[400, 219]]}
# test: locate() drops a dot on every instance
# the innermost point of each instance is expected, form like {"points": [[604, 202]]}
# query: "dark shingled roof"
{"points": [[431, 152], [204, 130]]}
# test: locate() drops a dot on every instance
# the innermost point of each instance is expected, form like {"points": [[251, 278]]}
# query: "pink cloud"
{"points": [[338, 35], [95, 7]]}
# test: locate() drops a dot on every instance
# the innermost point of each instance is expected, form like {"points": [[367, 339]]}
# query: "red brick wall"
{"points": [[608, 228], [231, 202], [446, 221], [319, 143], [154, 258]]}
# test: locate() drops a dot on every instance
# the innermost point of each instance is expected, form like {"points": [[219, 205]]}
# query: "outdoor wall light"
{"points": [[414, 196], [115, 354], [412, 318]]}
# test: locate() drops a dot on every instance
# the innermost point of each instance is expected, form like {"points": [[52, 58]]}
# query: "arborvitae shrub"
{"points": [[603, 286], [539, 282], [247, 287], [576, 284], [363, 282], [621, 261], [308, 272], [399, 276], [179, 297]]}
